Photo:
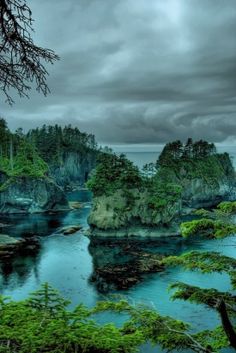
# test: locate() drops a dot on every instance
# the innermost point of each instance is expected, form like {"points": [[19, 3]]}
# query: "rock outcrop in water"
{"points": [[115, 215], [188, 177], [30, 195]]}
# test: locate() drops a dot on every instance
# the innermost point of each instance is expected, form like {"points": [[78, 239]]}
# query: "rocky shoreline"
{"points": [[132, 232], [30, 195], [11, 247]]}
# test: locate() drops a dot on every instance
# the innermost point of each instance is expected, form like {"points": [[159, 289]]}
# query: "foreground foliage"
{"points": [[43, 324], [223, 302]]}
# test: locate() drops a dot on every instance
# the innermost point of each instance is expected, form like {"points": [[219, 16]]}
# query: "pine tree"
{"points": [[47, 299]]}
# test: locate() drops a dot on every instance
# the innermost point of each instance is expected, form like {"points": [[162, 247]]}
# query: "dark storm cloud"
{"points": [[137, 71]]}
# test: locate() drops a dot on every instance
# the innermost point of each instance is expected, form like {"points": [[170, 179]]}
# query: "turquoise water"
{"points": [[67, 264]]}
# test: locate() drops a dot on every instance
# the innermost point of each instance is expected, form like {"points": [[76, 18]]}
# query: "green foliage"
{"points": [[195, 160], [197, 295], [216, 339], [28, 155], [228, 207], [53, 142], [191, 150], [47, 299], [217, 223], [211, 228], [114, 173], [206, 262], [26, 162], [223, 302], [43, 324], [163, 194]]}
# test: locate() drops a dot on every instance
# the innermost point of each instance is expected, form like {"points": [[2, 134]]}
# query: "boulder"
{"points": [[71, 229]]}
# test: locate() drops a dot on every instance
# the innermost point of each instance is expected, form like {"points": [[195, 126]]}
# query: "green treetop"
{"points": [[113, 173]]}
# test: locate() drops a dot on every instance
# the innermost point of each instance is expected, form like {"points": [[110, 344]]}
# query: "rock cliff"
{"points": [[73, 169], [192, 177], [205, 182], [30, 195], [118, 216]]}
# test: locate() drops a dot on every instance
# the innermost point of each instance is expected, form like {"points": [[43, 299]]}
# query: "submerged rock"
{"points": [[30, 195], [71, 229], [122, 264], [11, 247], [76, 205]]}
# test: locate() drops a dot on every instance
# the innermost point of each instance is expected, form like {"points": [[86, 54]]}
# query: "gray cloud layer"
{"points": [[137, 71]]}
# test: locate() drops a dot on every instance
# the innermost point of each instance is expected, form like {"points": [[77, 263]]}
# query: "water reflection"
{"points": [[121, 264], [33, 224], [16, 272], [67, 264], [20, 272]]}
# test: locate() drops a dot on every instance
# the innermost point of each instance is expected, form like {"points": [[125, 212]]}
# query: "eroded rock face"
{"points": [[31, 195], [199, 194], [74, 169], [116, 213], [215, 185]]}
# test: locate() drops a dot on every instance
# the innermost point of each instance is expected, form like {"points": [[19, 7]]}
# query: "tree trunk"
{"points": [[227, 326]]}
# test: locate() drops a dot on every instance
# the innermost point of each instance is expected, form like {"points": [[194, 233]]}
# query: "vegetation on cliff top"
{"points": [[114, 173], [52, 142], [196, 160], [26, 162], [163, 182], [30, 154]]}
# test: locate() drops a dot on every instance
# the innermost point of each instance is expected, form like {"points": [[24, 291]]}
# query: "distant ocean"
{"points": [[141, 158]]}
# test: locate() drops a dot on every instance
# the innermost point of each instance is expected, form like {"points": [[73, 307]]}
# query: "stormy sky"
{"points": [[136, 71]]}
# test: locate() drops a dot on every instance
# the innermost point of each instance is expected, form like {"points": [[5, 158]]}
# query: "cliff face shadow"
{"points": [[120, 264], [39, 224], [16, 271]]}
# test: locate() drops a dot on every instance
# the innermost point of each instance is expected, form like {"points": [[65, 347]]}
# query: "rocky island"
{"points": [[129, 203]]}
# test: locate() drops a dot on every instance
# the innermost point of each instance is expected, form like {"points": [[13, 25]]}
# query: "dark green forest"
{"points": [[30, 154]]}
